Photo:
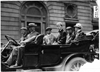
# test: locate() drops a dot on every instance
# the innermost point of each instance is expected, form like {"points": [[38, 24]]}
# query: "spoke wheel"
{"points": [[75, 64]]}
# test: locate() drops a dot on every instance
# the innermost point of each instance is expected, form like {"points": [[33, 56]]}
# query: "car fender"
{"points": [[62, 65], [65, 60]]}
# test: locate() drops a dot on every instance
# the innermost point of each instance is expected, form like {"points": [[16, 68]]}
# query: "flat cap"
{"points": [[68, 28], [23, 28], [48, 28], [32, 25]]}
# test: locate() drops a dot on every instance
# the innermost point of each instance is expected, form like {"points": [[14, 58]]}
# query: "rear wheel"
{"points": [[75, 64]]}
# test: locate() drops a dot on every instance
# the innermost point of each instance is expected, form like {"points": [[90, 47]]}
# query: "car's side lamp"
{"points": [[91, 48], [42, 51]]}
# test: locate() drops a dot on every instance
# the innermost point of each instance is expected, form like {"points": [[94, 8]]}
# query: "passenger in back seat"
{"points": [[61, 38], [79, 34], [70, 35], [49, 38]]}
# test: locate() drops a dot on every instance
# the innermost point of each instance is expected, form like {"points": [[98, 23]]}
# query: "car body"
{"points": [[56, 57], [94, 35]]}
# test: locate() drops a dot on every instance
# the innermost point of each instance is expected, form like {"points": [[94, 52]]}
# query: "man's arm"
{"points": [[79, 37], [62, 40], [29, 39]]}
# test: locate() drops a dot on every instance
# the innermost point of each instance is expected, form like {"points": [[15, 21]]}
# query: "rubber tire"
{"points": [[69, 64]]}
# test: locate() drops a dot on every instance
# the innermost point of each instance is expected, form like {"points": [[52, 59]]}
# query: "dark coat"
{"points": [[61, 39], [80, 36], [72, 36]]}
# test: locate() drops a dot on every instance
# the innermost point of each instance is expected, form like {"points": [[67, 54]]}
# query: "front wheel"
{"points": [[75, 64]]}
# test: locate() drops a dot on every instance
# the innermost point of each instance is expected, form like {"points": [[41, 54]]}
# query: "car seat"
{"points": [[39, 39]]}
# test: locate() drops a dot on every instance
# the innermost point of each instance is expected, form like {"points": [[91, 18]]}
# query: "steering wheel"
{"points": [[11, 39]]}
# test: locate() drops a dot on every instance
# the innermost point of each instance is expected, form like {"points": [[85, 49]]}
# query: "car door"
{"points": [[31, 55], [50, 55]]}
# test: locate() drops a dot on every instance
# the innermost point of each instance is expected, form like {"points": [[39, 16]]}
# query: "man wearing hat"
{"points": [[79, 34], [48, 38], [32, 31], [61, 38], [16, 48], [70, 35]]}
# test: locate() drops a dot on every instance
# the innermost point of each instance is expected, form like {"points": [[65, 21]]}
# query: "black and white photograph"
{"points": [[49, 35]]}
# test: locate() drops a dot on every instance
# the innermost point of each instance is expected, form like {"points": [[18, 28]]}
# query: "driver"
{"points": [[17, 51], [24, 34]]}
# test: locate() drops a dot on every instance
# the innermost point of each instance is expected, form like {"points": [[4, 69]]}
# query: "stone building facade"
{"points": [[16, 14]]}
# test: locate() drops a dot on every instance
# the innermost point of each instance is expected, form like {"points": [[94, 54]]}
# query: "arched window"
{"points": [[34, 12]]}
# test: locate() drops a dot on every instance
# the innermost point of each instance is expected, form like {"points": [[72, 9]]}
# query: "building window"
{"points": [[70, 10], [71, 17], [34, 12]]}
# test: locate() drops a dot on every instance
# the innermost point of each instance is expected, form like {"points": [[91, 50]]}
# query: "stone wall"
{"points": [[85, 15], [56, 14], [10, 20]]}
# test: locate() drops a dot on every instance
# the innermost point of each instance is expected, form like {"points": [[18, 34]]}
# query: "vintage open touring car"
{"points": [[54, 57]]}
